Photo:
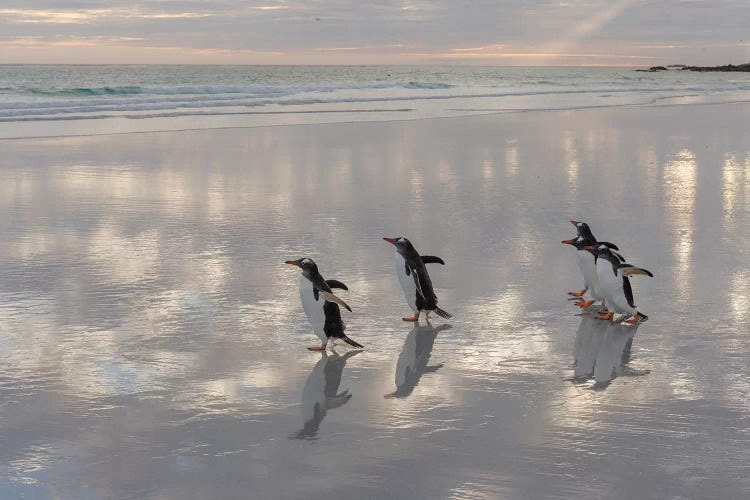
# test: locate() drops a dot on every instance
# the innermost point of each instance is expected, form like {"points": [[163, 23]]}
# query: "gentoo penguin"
{"points": [[414, 279], [321, 392], [612, 275], [586, 263], [321, 305], [414, 358]]}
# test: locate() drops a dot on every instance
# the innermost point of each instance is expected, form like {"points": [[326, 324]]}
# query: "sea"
{"points": [[64, 100]]}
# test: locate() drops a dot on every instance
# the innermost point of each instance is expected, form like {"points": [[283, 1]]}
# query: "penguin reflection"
{"points": [[586, 346], [602, 351], [321, 392], [412, 362]]}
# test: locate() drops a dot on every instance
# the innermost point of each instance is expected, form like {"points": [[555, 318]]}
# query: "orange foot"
{"points": [[322, 347], [585, 303], [413, 318], [606, 315], [632, 320], [578, 294]]}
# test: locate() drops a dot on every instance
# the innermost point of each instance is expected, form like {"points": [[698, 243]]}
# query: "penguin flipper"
{"points": [[330, 297], [628, 291], [415, 275], [336, 284], [630, 270], [431, 259]]}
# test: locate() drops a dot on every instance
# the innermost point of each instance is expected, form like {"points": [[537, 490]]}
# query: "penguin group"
{"points": [[605, 277], [604, 270], [321, 305]]}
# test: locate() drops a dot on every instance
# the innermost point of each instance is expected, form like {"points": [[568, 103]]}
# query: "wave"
{"points": [[83, 91], [149, 102], [227, 89], [136, 102]]}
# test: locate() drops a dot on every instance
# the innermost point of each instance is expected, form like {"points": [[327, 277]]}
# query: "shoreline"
{"points": [[477, 113]]}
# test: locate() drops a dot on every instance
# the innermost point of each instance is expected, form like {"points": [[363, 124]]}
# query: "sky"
{"points": [[484, 32]]}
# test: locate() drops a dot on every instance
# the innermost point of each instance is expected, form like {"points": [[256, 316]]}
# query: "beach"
{"points": [[154, 344]]}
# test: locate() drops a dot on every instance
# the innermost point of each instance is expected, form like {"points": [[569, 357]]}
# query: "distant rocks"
{"points": [[654, 69], [682, 67], [726, 68]]}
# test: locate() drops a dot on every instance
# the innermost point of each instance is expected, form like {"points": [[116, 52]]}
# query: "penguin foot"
{"points": [[585, 304], [413, 318], [578, 294], [322, 347], [605, 316]]}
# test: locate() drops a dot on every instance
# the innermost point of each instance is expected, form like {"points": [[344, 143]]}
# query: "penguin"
{"points": [[414, 279], [321, 305], [612, 275], [587, 264]]}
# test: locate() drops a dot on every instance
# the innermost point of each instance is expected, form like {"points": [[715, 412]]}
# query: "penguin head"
{"points": [[402, 244], [600, 250], [584, 232], [576, 242], [308, 266], [595, 248], [607, 250]]}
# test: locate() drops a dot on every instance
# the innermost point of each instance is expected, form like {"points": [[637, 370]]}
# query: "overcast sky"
{"points": [[493, 32]]}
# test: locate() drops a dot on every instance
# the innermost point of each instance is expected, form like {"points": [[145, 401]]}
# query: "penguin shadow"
{"points": [[321, 392], [414, 358], [602, 352]]}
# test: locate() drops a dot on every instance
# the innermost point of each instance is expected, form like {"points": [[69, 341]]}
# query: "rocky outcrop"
{"points": [[727, 67], [654, 69]]}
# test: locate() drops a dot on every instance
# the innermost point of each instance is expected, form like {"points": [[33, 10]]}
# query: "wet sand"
{"points": [[153, 341]]}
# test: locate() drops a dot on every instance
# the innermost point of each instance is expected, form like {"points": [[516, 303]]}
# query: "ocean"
{"points": [[49, 100]]}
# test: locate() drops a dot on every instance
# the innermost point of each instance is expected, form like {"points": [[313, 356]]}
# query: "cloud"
{"points": [[397, 31]]}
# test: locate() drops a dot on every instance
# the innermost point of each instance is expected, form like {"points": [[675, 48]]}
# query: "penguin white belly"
{"points": [[611, 287], [587, 265], [407, 282], [313, 308]]}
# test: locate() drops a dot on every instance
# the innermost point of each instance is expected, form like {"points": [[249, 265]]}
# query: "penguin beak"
{"points": [[590, 248], [292, 262], [390, 240], [569, 242], [574, 222]]}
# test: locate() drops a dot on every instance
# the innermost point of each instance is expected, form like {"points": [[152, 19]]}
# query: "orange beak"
{"points": [[590, 248], [292, 262], [574, 222], [568, 242], [390, 240]]}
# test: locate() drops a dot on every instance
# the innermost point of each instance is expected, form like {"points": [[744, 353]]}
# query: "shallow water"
{"points": [[153, 343]]}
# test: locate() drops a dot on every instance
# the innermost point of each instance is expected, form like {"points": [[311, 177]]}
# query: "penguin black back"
{"points": [[426, 298]]}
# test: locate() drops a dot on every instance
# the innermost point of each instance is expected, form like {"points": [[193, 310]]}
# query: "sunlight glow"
{"points": [[680, 188]]}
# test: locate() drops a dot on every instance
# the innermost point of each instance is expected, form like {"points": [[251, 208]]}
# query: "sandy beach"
{"points": [[154, 342]]}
